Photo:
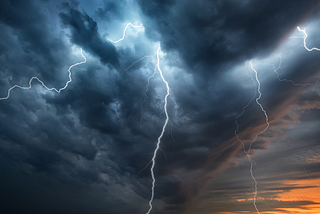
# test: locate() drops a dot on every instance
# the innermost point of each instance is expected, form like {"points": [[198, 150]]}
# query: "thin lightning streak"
{"points": [[144, 167], [262, 109], [138, 61], [244, 149], [163, 129], [42, 83], [176, 107], [147, 88], [252, 162], [267, 122], [243, 110], [165, 106], [124, 32], [275, 70]]}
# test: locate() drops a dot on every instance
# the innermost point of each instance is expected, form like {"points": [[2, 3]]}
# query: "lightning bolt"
{"points": [[163, 129], [261, 107], [42, 83], [267, 122], [153, 160], [305, 35], [252, 162], [124, 32]]}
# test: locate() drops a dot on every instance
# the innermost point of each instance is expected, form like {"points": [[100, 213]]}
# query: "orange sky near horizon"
{"points": [[307, 190]]}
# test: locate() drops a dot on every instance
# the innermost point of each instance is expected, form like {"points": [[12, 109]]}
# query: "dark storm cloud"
{"points": [[28, 43], [28, 24], [111, 10], [219, 32], [43, 142], [85, 34], [227, 33]]}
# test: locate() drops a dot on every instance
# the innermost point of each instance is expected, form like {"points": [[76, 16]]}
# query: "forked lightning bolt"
{"points": [[42, 83], [163, 129], [252, 162]]}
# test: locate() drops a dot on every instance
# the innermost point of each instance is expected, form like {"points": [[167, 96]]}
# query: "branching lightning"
{"points": [[124, 32], [42, 83], [162, 132], [153, 160], [247, 152]]}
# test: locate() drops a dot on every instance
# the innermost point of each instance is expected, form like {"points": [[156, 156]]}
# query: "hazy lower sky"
{"points": [[233, 67]]}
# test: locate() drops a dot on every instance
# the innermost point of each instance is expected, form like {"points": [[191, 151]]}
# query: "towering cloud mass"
{"points": [[88, 149]]}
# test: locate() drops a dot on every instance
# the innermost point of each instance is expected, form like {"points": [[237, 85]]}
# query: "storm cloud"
{"points": [[88, 149]]}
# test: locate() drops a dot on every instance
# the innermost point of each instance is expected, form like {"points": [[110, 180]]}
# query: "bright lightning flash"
{"points": [[305, 35], [163, 129], [124, 32], [42, 83]]}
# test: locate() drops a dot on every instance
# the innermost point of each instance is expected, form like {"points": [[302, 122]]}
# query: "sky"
{"points": [[235, 132]]}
